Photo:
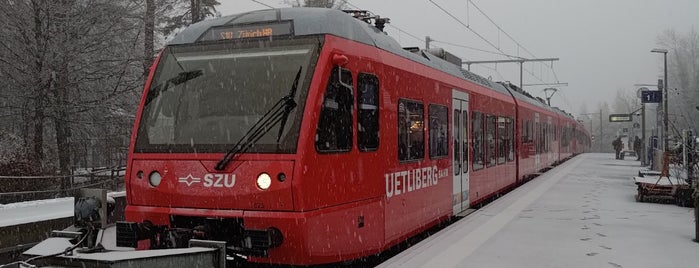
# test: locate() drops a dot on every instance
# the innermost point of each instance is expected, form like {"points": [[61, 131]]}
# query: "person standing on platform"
{"points": [[637, 148], [617, 147]]}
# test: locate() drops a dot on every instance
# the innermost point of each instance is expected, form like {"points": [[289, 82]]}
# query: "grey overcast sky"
{"points": [[603, 45]]}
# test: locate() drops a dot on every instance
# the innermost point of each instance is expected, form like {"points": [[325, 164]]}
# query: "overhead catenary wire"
{"points": [[519, 45], [476, 49], [262, 3], [467, 26], [481, 36]]}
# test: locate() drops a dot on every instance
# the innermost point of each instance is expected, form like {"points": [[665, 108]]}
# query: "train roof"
{"points": [[315, 21]]}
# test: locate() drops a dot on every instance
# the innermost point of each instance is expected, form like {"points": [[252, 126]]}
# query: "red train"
{"points": [[306, 136]]}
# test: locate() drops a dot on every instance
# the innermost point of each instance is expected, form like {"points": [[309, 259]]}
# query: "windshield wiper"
{"points": [[180, 78], [279, 113], [290, 104]]}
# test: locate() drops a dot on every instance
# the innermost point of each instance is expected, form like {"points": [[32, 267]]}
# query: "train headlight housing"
{"points": [[264, 181], [154, 178]]}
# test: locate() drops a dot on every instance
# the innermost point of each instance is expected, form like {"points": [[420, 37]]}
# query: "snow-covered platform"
{"points": [[39, 210], [579, 214]]}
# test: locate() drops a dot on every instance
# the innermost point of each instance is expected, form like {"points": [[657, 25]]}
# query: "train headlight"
{"points": [[154, 179], [264, 181]]}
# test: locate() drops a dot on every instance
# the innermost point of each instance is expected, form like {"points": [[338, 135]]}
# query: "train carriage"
{"points": [[306, 136]]}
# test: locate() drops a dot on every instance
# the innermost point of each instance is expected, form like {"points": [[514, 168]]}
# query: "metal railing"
{"points": [[26, 188]]}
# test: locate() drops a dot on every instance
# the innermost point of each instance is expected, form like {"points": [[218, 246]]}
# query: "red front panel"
{"points": [[320, 236], [195, 184]]}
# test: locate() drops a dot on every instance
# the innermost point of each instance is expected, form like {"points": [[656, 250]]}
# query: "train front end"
{"points": [[215, 142]]}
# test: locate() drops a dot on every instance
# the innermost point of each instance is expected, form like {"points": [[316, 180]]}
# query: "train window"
{"points": [[510, 139], [464, 141], [334, 133], [545, 138], [502, 139], [368, 112], [526, 131], [537, 128], [490, 124], [439, 127], [457, 156], [478, 145], [411, 136]]}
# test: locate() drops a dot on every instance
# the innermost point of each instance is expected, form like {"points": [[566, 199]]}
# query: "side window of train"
{"points": [[411, 136], [439, 127], [478, 145], [537, 129], [334, 133], [502, 141], [490, 127], [526, 131], [368, 112], [511, 139]]}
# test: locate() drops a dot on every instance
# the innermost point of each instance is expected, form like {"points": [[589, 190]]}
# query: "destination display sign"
{"points": [[619, 118], [248, 31]]}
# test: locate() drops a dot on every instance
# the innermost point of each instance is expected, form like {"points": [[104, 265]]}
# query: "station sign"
{"points": [[619, 118], [651, 96]]}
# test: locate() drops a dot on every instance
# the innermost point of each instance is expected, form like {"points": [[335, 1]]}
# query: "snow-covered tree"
{"points": [[683, 76]]}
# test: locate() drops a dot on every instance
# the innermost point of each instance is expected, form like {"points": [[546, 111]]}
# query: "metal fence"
{"points": [[26, 188]]}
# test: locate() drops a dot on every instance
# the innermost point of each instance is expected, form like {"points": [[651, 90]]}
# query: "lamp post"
{"points": [[644, 154], [601, 133], [546, 93], [665, 113]]}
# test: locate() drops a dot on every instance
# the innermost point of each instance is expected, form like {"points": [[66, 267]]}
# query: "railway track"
{"points": [[15, 239]]}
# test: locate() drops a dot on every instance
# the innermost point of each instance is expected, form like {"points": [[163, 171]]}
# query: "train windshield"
{"points": [[204, 98]]}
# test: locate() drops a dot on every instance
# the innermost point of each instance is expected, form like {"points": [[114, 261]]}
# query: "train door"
{"points": [[537, 141], [460, 124]]}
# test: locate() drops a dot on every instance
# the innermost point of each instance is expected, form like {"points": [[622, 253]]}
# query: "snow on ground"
{"points": [[32, 211], [39, 210], [580, 214]]}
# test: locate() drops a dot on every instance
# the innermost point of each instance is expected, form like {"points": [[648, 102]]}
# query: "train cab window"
{"points": [[411, 136], [501, 141], [439, 127], [478, 144], [334, 133], [490, 122], [510, 139], [368, 112]]}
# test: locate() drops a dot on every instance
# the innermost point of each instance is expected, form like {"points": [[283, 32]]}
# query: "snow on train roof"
{"points": [[314, 21]]}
